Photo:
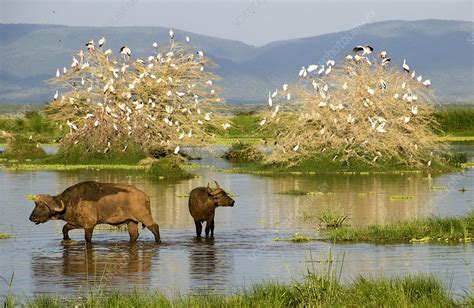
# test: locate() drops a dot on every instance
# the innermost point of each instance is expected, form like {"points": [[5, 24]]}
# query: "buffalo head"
{"points": [[220, 196], [46, 206]]}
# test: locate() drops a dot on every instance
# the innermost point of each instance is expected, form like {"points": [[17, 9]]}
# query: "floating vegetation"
{"points": [[447, 230], [5, 236], [57, 167], [297, 192], [295, 238], [30, 197], [401, 197], [438, 188]]}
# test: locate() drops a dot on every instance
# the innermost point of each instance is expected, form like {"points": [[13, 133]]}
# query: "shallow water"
{"points": [[243, 251]]}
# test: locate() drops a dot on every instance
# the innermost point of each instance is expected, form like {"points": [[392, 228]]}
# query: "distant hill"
{"points": [[439, 49]]}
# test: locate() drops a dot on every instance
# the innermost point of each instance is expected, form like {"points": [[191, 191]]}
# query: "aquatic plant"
{"points": [[295, 238], [449, 229], [316, 290], [4, 236], [332, 216], [361, 111], [243, 152]]}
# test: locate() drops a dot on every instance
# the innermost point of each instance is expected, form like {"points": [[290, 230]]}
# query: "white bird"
{"points": [[371, 91], [108, 52], [171, 34], [419, 78], [312, 67], [366, 49], [285, 87], [226, 125], [155, 44], [270, 101], [90, 45], [373, 122], [328, 70], [429, 163], [344, 86], [176, 150], [349, 57], [396, 96], [350, 119], [322, 104], [187, 39], [263, 122], [56, 95], [321, 70], [296, 147], [274, 113], [274, 94], [383, 54], [200, 53], [385, 61], [413, 74], [331, 62], [101, 42], [404, 85], [125, 51], [427, 82], [190, 133], [381, 128], [414, 110], [302, 71], [405, 66], [64, 70], [96, 123], [288, 96], [325, 88], [406, 119], [383, 84], [57, 73]]}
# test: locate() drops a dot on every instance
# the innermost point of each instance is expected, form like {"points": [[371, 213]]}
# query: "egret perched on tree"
{"points": [[405, 66], [126, 52], [171, 35], [101, 42], [366, 49], [90, 45]]}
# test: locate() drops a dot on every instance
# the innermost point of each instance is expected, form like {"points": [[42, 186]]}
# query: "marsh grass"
{"points": [[332, 216], [295, 238], [450, 230], [20, 147], [316, 290], [243, 152], [168, 167], [457, 121]]}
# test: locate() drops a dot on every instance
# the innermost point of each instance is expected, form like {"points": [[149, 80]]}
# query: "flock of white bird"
{"points": [[114, 99], [316, 77]]}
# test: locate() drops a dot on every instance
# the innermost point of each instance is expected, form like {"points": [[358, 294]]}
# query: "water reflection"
{"points": [[84, 267]]}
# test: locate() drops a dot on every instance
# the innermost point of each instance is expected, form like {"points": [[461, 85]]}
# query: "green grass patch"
{"points": [[457, 121], [401, 197], [333, 216], [22, 147], [243, 152], [168, 167], [31, 123], [314, 291], [450, 229], [295, 238]]}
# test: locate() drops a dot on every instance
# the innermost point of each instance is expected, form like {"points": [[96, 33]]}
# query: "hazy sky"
{"points": [[252, 21]]}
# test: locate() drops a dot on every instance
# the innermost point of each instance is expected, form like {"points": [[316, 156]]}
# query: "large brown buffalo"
{"points": [[87, 204], [203, 202]]}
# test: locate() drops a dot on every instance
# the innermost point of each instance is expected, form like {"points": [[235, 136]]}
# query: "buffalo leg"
{"points": [[89, 235], [212, 227], [133, 231], [208, 227], [198, 228], [155, 229], [66, 229]]}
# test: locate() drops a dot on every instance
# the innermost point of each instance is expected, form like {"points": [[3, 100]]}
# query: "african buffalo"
{"points": [[203, 202], [87, 204]]}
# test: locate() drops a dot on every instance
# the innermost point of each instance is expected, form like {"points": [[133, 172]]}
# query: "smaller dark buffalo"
{"points": [[87, 204], [203, 202]]}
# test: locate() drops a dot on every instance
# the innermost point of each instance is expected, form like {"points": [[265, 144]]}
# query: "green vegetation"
{"points": [[243, 152], [457, 121], [4, 236], [168, 167], [314, 291], [295, 238], [332, 216], [21, 147], [31, 123], [294, 192], [450, 229]]}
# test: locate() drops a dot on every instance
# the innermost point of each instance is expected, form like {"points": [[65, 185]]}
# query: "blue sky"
{"points": [[255, 22]]}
